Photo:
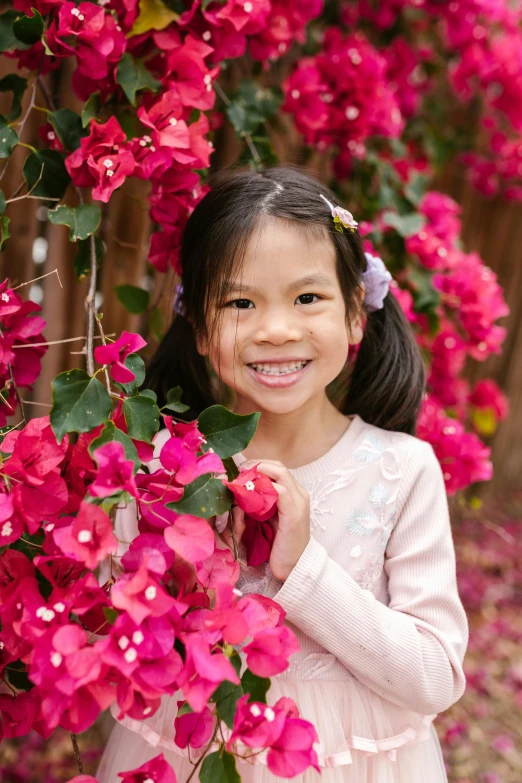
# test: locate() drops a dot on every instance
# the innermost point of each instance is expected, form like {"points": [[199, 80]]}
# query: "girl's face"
{"points": [[282, 335]]}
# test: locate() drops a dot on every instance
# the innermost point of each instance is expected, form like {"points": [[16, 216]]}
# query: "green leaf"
{"points": [[48, 169], [134, 299], [82, 262], [153, 15], [17, 85], [252, 105], [91, 109], [225, 697], [226, 432], [174, 400], [150, 393], [156, 324], [29, 29], [132, 76], [204, 497], [8, 138], [405, 225], [111, 433], [416, 188], [2, 202], [255, 686], [219, 767], [231, 468], [8, 39], [68, 127], [4, 231], [142, 417], [136, 365], [80, 403], [82, 220], [111, 615], [426, 298]]}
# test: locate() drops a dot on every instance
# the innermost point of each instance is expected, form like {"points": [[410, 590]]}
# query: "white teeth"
{"points": [[279, 369]]}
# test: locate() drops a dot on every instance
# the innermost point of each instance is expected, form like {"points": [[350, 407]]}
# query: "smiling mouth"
{"points": [[281, 368]]}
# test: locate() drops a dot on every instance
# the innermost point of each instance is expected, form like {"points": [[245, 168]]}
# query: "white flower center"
{"points": [[110, 173], [248, 8], [137, 637], [123, 642], [56, 659], [295, 94], [207, 35], [59, 607], [250, 485], [150, 593], [84, 536], [108, 163], [173, 121], [48, 615], [352, 112], [5, 297], [49, 527], [147, 710], [7, 528], [269, 714], [131, 655], [255, 711]]}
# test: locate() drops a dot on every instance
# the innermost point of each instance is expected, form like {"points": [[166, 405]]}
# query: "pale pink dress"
{"points": [[374, 603]]}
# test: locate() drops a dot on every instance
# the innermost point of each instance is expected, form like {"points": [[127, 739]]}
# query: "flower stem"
{"points": [[76, 749]]}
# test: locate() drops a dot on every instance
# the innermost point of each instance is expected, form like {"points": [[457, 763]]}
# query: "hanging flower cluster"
{"points": [[20, 327], [169, 617]]}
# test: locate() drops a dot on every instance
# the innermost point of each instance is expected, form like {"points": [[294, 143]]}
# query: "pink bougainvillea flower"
{"points": [[115, 472], [255, 724], [219, 568], [157, 770], [129, 645], [179, 458], [164, 250], [19, 713], [254, 493], [149, 548], [155, 491], [114, 354], [193, 729], [89, 538], [141, 595], [168, 129], [203, 671], [191, 538], [269, 652], [189, 74], [293, 751], [257, 538]]}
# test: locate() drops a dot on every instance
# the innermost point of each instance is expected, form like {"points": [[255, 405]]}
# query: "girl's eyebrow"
{"points": [[320, 278]]}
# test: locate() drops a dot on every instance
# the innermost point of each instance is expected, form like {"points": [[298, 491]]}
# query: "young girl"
{"points": [[273, 294]]}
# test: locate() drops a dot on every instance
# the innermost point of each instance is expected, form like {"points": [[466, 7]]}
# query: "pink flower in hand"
{"points": [[156, 770], [193, 729], [254, 493], [257, 538], [269, 652], [115, 354], [89, 538], [115, 473]]}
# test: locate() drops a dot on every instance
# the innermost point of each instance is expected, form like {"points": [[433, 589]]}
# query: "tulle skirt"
{"points": [[362, 739]]}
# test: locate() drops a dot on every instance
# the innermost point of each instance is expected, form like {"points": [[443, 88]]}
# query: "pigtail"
{"points": [[178, 363], [387, 383]]}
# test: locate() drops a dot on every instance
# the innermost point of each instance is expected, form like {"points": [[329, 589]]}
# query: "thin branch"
{"points": [[89, 306], [21, 125], [41, 404], [198, 762], [59, 342], [47, 95], [54, 272], [76, 749]]}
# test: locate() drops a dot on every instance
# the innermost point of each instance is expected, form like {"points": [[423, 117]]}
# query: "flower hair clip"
{"points": [[341, 217]]}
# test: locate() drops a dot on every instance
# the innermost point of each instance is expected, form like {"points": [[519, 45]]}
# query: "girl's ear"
{"points": [[355, 326], [201, 344]]}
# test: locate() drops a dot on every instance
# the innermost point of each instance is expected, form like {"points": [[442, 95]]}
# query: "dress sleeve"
{"points": [[409, 652]]}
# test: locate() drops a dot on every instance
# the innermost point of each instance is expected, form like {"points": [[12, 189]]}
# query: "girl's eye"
{"points": [[241, 304], [306, 299]]}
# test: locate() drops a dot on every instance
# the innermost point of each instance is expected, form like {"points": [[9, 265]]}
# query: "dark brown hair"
{"points": [[386, 385]]}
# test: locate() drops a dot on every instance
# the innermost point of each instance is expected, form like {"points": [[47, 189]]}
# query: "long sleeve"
{"points": [[409, 652]]}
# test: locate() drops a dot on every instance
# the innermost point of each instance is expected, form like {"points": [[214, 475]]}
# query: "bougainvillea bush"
{"points": [[382, 94]]}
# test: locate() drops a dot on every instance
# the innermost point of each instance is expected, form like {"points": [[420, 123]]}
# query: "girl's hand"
{"points": [[292, 522]]}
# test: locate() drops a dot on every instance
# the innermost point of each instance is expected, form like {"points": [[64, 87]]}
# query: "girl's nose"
{"points": [[278, 326]]}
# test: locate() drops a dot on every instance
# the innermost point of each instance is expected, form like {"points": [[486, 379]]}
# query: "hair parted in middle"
{"points": [[387, 382]]}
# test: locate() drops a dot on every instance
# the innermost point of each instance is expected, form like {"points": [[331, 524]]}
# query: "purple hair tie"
{"points": [[376, 281], [178, 305]]}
